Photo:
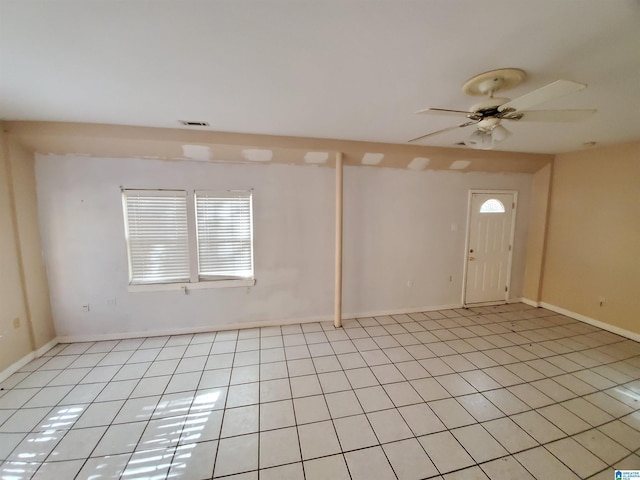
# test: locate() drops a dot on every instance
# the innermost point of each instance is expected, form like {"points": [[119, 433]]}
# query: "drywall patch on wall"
{"points": [[257, 154], [316, 157], [418, 163], [459, 164], [372, 158], [200, 153]]}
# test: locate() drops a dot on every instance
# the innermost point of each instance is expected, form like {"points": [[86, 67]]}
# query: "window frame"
{"points": [[195, 281]]}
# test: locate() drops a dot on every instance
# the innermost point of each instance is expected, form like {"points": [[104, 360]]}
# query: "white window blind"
{"points": [[157, 235], [224, 231]]}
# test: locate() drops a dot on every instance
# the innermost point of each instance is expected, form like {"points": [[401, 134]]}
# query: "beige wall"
{"points": [[15, 343], [26, 322], [540, 186], [36, 287], [593, 236]]}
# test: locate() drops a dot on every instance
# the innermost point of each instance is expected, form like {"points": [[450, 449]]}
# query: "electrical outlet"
{"points": [[86, 308], [112, 302], [16, 322]]}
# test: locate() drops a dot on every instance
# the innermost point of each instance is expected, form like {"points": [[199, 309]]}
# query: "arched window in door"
{"points": [[492, 205]]}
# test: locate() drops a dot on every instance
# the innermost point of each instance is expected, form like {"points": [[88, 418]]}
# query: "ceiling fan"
{"points": [[488, 115]]}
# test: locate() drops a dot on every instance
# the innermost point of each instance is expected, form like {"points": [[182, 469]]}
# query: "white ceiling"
{"points": [[343, 69]]}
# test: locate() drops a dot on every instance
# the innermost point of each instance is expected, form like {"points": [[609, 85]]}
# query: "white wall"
{"points": [[402, 226], [397, 228]]}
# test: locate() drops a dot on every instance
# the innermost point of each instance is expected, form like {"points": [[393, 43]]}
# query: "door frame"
{"points": [[511, 243]]}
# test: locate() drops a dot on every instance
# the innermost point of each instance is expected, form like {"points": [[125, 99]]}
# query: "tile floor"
{"points": [[507, 392]]}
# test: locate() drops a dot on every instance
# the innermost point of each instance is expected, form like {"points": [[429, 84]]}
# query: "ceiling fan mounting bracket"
{"points": [[495, 80]]}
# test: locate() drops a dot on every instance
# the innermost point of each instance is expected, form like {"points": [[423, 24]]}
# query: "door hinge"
{"points": [[509, 247], [506, 289], [513, 205]]}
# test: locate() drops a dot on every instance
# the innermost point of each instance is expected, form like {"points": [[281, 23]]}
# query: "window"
{"points": [[162, 233], [223, 222], [157, 236], [492, 205]]}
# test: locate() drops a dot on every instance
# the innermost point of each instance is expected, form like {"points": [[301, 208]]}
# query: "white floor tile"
{"points": [[293, 471], [602, 446], [333, 467], [355, 432], [373, 399], [240, 421], [369, 463], [510, 435], [202, 426], [67, 469], [409, 460], [343, 404], [318, 440], [389, 426], [310, 409], [278, 447], [576, 457], [333, 382], [149, 464], [161, 433], [445, 452], [108, 467], [506, 467], [119, 439], [9, 441], [194, 460], [542, 464], [277, 415], [421, 419], [240, 395], [402, 394], [479, 443], [274, 390], [451, 413], [304, 386], [77, 444], [35, 447], [236, 455], [23, 421]]}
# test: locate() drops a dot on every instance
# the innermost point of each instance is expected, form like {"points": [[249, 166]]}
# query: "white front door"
{"points": [[489, 243]]}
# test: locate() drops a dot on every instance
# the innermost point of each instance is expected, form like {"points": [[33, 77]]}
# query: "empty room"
{"points": [[319, 239]]}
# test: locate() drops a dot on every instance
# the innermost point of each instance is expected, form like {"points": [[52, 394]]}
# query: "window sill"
{"points": [[185, 287]]}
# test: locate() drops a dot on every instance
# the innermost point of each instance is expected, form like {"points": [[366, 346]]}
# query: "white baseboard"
{"points": [[14, 367], [400, 311], [592, 321], [96, 337], [46, 347], [531, 303]]}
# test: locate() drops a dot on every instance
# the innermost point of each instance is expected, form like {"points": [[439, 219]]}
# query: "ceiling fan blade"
{"points": [[442, 131], [552, 115], [443, 111], [551, 91]]}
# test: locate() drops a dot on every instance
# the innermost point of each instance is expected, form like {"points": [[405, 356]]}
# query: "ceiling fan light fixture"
{"points": [[499, 133], [479, 140]]}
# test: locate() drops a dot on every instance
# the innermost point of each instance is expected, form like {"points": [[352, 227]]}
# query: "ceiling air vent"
{"points": [[187, 123]]}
